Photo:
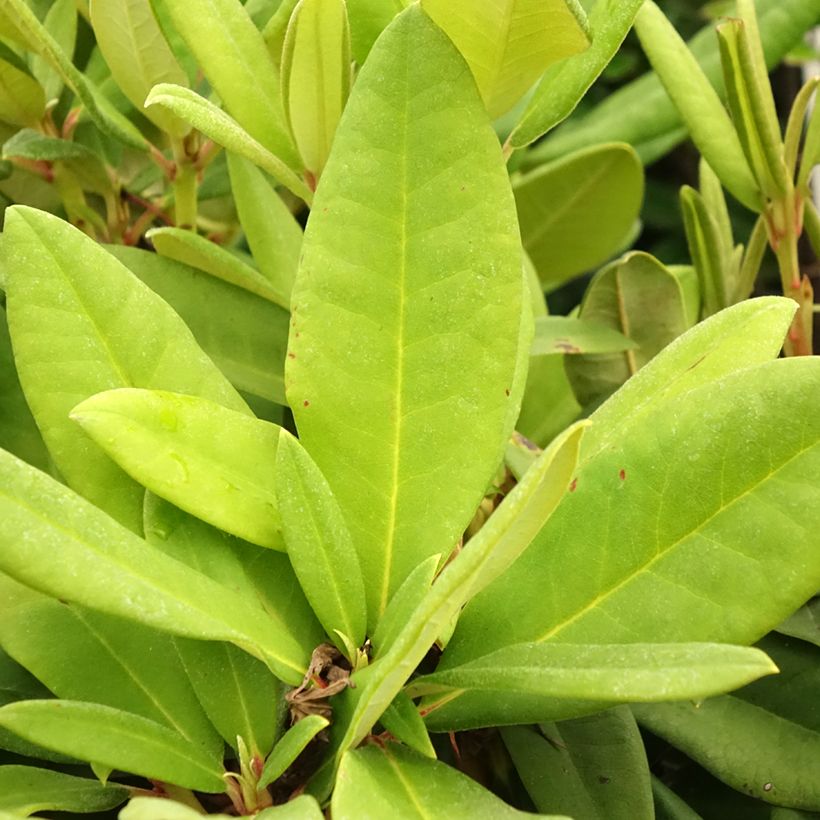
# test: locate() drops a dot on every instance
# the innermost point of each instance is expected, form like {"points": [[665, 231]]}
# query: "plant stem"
{"points": [[185, 187]]}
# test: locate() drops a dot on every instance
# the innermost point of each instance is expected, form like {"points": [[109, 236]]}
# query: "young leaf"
{"points": [[61, 23], [699, 104], [290, 746], [212, 121], [600, 186], [138, 55], [619, 673], [26, 789], [722, 548], [556, 335], [403, 721], [212, 462], [508, 46], [368, 19], [80, 323], [236, 62], [250, 353], [22, 99], [316, 77], [593, 767], [375, 782], [57, 543], [425, 304], [198, 252], [563, 85], [319, 544], [274, 236], [114, 738]]}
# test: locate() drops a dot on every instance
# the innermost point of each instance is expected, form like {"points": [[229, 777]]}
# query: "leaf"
{"points": [[763, 740], [235, 60], [722, 550], [316, 77], [319, 544], [185, 246], [237, 691], [393, 781], [22, 99], [152, 808], [562, 335], [225, 131], [638, 297], [290, 746], [61, 23], [115, 738], [212, 462], [250, 352], [25, 790], [804, 624], [368, 18], [59, 544], [130, 39], [403, 721], [425, 305], [593, 767], [81, 323], [668, 806], [59, 644], [600, 186], [274, 236], [509, 45], [564, 84]]}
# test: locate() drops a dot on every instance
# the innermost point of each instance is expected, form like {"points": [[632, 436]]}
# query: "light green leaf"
{"points": [[618, 673], [763, 740], [130, 39], [238, 692], [212, 121], [698, 102], [59, 643], [403, 721], [639, 298], [600, 186], [804, 624], [56, 542], [80, 323], [375, 783], [250, 352], [424, 303], [235, 60], [61, 23], [724, 569], [25, 790], [561, 334], [508, 46], [212, 462], [274, 236], [316, 77], [690, 287], [114, 738], [668, 806], [152, 808], [319, 544], [593, 767], [198, 252], [22, 99], [290, 746], [563, 85], [368, 18]]}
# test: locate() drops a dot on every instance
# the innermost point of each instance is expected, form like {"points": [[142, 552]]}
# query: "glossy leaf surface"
{"points": [[214, 463], [403, 721], [601, 186], [430, 285], [290, 746]]}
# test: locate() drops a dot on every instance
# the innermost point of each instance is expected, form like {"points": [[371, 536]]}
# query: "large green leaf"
{"points": [[557, 204], [114, 738], [25, 790], [368, 18], [423, 302], [56, 542], [508, 45], [763, 740], [564, 84], [234, 58], [212, 462], [81, 323], [374, 783], [593, 767], [22, 99], [718, 568], [250, 351], [59, 643], [135, 49]]}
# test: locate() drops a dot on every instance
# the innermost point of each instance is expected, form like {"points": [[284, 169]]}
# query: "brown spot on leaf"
{"points": [[506, 392], [306, 403], [573, 485], [291, 355], [622, 474], [566, 347]]}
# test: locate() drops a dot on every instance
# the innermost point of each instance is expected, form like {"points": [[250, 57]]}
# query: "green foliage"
{"points": [[280, 508]]}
